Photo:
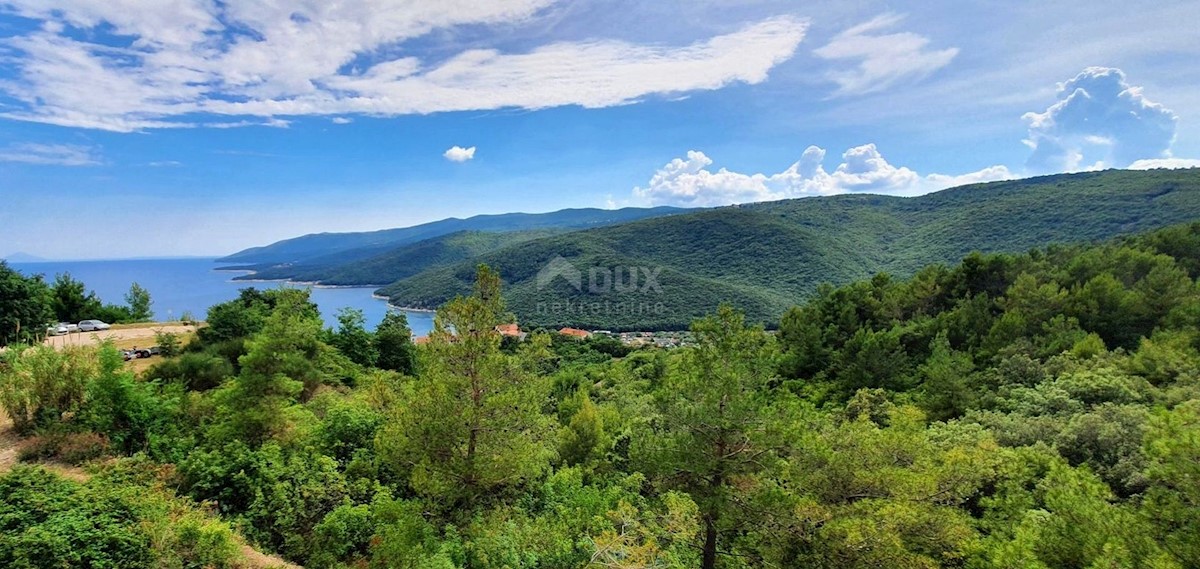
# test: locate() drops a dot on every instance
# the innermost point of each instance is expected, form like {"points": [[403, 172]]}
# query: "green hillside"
{"points": [[334, 248], [397, 263], [765, 257]]}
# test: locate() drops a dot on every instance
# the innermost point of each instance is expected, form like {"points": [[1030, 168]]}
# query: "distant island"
{"points": [[19, 257]]}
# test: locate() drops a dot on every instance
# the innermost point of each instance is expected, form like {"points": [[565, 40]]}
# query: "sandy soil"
{"points": [[10, 443], [121, 336]]}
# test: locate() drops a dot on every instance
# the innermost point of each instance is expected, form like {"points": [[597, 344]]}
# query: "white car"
{"points": [[58, 329], [93, 326]]}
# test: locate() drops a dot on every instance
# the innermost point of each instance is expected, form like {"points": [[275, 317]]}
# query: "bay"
{"points": [[183, 286]]}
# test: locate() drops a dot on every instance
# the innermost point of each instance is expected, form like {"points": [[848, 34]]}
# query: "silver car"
{"points": [[58, 329], [93, 326]]}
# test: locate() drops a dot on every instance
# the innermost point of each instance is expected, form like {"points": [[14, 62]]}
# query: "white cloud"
{"points": [[883, 59], [1099, 119], [281, 59], [1167, 163], [51, 154], [689, 182], [459, 154], [270, 122], [342, 120]]}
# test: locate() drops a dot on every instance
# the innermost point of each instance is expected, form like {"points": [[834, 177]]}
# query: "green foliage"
{"points": [[130, 413], [39, 385], [246, 315], [1030, 410], [945, 381], [763, 258], [280, 365], [715, 426], [25, 307], [393, 342], [72, 301], [138, 301], [169, 344], [473, 425], [49, 522], [195, 371], [353, 339], [1173, 501]]}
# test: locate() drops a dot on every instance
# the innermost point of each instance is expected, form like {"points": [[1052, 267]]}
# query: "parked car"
{"points": [[72, 328], [93, 326], [58, 329]]}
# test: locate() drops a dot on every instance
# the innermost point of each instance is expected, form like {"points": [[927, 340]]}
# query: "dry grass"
{"points": [[128, 336], [10, 443]]}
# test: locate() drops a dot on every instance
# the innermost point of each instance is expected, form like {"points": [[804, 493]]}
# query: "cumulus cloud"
{"points": [[1165, 163], [459, 154], [51, 154], [159, 64], [884, 59], [689, 181], [1099, 121]]}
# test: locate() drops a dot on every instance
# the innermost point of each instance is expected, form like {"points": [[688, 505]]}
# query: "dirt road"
{"points": [[124, 337]]}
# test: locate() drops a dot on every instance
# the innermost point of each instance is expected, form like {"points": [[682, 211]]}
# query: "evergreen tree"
{"points": [[279, 364], [715, 427], [393, 342], [138, 301], [473, 426]]}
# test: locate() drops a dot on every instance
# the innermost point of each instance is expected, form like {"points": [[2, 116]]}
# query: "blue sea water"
{"points": [[179, 286]]}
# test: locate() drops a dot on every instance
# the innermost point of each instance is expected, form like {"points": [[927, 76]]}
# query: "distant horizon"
{"points": [[33, 259], [234, 125], [40, 260]]}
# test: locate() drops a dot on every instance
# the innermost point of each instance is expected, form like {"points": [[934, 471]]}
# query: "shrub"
{"points": [[195, 371], [169, 344], [71, 448], [78, 448], [39, 385]]}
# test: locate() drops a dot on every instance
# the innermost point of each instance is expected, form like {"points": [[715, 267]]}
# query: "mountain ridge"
{"points": [[363, 245], [764, 257]]}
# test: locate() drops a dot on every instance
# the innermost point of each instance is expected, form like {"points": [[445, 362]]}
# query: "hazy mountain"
{"points": [[19, 257], [324, 248]]}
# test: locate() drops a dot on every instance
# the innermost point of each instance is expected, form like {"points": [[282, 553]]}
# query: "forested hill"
{"points": [[1034, 410], [765, 257], [343, 247], [395, 263]]}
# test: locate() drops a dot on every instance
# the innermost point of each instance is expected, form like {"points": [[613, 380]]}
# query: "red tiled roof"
{"points": [[509, 330]]}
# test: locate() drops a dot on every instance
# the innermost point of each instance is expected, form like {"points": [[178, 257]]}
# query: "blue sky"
{"points": [[200, 127]]}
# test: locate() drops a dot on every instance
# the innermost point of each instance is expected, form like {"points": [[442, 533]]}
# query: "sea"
{"points": [[189, 286]]}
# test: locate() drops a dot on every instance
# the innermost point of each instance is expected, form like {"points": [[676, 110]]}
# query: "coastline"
{"points": [[313, 284], [404, 308]]}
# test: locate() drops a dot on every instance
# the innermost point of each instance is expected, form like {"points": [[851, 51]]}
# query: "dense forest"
{"points": [[1027, 410], [766, 257]]}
